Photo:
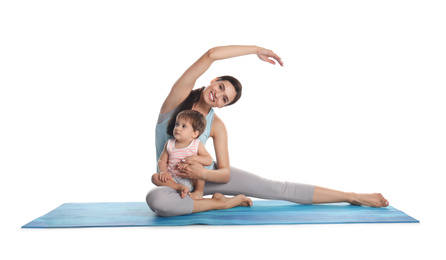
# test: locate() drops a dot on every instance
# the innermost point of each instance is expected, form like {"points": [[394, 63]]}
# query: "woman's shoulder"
{"points": [[218, 120], [218, 126]]}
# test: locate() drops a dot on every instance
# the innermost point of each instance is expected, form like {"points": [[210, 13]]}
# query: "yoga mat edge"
{"points": [[264, 212]]}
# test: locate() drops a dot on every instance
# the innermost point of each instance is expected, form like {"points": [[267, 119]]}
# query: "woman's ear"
{"points": [[214, 80]]}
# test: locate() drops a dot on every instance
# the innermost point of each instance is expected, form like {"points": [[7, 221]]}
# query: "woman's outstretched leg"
{"points": [[218, 201], [243, 182], [324, 195]]}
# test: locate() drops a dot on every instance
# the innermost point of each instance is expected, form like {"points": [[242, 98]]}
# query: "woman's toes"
{"points": [[244, 201], [248, 202]]}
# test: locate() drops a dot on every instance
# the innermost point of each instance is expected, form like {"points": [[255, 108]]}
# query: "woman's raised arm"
{"points": [[184, 85]]}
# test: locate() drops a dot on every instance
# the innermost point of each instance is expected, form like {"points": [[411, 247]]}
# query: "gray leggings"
{"points": [[167, 202]]}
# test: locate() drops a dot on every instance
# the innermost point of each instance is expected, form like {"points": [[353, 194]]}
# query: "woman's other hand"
{"points": [[190, 159], [266, 55], [193, 171]]}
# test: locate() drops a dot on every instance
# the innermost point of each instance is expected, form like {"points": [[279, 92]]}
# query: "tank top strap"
{"points": [[207, 131], [170, 144], [194, 145]]}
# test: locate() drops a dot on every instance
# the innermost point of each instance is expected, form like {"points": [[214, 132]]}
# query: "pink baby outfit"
{"points": [[176, 156]]}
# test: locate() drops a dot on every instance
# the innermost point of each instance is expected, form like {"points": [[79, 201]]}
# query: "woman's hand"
{"points": [[194, 171], [190, 159], [265, 55]]}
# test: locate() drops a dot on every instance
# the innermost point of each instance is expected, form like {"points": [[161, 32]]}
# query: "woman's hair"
{"points": [[194, 96], [195, 118], [237, 85]]}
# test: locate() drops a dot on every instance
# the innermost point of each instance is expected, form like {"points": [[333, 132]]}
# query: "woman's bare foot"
{"points": [[376, 200], [196, 195], [227, 203], [218, 201]]}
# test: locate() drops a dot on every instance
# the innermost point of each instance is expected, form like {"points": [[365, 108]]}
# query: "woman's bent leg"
{"points": [[166, 201], [249, 184], [218, 201]]}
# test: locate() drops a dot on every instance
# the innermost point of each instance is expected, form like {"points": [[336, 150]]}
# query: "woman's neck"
{"points": [[201, 106]]}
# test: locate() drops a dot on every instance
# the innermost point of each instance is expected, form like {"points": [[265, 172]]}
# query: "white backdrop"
{"points": [[358, 106]]}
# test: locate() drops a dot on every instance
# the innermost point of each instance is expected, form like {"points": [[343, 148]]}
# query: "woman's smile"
{"points": [[212, 96]]}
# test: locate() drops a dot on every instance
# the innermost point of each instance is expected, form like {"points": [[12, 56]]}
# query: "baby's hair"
{"points": [[195, 118]]}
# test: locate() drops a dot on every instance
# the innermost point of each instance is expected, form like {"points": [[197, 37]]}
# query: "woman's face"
{"points": [[219, 93]]}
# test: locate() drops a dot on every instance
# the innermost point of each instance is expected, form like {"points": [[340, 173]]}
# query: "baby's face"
{"points": [[183, 131]]}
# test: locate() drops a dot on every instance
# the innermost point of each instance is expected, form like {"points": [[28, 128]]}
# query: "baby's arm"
{"points": [[162, 165]]}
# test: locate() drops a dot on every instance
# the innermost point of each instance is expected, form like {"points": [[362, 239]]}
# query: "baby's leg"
{"points": [[218, 201], [170, 183], [197, 194]]}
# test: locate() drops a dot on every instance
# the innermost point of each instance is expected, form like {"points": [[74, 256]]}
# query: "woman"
{"points": [[221, 177]]}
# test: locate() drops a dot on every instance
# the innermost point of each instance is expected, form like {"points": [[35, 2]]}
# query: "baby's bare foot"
{"points": [[376, 200], [196, 195], [183, 190]]}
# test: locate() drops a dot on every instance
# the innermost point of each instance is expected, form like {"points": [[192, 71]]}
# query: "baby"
{"points": [[189, 125]]}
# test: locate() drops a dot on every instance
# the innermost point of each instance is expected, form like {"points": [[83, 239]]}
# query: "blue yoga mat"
{"points": [[268, 212]]}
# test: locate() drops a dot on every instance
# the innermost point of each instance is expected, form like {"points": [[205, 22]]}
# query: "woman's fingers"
{"points": [[264, 58], [279, 60], [184, 172], [276, 57], [266, 55], [183, 175]]}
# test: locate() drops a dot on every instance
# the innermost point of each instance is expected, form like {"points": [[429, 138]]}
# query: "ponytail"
{"points": [[187, 104]]}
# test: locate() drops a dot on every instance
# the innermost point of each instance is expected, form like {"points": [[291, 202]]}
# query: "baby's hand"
{"points": [[181, 166], [164, 176]]}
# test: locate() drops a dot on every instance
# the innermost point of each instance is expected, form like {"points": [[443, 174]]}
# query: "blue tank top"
{"points": [[161, 135]]}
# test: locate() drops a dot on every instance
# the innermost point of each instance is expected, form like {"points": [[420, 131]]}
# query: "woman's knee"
{"points": [[155, 200], [166, 202]]}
